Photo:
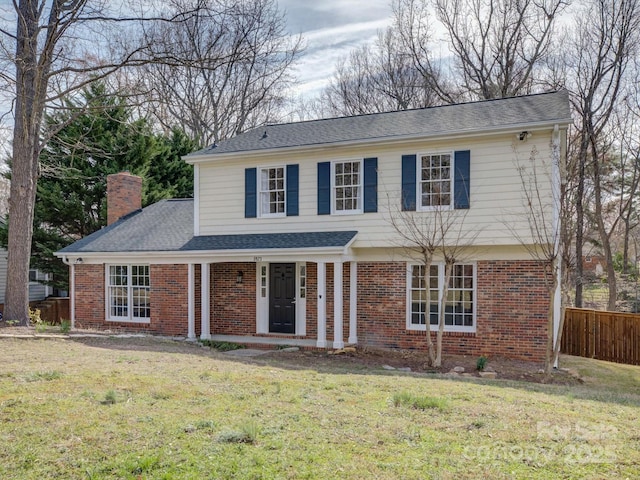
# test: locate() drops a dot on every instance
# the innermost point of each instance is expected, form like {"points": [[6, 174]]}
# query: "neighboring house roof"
{"points": [[487, 115], [167, 226]]}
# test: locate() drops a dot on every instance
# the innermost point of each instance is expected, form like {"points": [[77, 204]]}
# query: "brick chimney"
{"points": [[124, 195]]}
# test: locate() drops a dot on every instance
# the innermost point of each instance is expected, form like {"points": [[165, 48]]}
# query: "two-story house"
{"points": [[297, 234]]}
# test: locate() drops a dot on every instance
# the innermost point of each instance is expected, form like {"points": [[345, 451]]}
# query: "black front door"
{"points": [[282, 301]]}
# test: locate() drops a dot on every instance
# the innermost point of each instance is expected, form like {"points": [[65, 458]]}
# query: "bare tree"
{"points": [[57, 47], [498, 45], [377, 78], [605, 39], [415, 23], [425, 236], [628, 169], [233, 69], [544, 238]]}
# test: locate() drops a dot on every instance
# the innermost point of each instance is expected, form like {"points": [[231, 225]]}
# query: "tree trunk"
{"points": [[582, 160], [427, 282], [604, 237], [31, 86], [448, 267], [548, 357]]}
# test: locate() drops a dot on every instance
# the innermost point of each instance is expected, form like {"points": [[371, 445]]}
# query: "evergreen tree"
{"points": [[99, 137], [168, 176]]}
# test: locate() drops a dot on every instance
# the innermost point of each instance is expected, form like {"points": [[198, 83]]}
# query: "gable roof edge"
{"points": [[390, 140]]}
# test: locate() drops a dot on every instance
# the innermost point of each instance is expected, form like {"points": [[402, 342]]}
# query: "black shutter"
{"points": [[370, 185], [408, 182]]}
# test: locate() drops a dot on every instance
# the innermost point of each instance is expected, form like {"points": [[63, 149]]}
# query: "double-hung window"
{"points": [[128, 293], [435, 180], [460, 304], [347, 186], [272, 192]]}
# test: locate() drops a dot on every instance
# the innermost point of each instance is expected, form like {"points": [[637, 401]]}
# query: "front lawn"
{"points": [[151, 408]]}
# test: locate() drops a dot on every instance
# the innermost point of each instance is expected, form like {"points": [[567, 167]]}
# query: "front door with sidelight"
{"points": [[282, 298]]}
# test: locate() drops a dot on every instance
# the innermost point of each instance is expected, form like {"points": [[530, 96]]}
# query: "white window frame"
{"points": [[262, 206], [441, 273], [360, 186], [129, 286], [420, 182]]}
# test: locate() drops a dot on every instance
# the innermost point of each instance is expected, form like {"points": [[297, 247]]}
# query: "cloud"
{"points": [[331, 29]]}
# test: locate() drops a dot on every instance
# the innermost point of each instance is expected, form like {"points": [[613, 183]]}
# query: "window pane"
{"points": [[346, 185], [272, 192], [435, 180]]}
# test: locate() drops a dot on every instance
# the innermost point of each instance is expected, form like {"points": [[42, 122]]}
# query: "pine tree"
{"points": [[99, 137]]}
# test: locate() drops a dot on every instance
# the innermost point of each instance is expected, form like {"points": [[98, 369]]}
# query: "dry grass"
{"points": [[147, 408]]}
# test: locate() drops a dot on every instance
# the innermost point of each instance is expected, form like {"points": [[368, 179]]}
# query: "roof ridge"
{"points": [[430, 107]]}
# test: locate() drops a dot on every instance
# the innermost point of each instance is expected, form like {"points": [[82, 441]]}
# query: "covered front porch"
{"points": [[280, 294]]}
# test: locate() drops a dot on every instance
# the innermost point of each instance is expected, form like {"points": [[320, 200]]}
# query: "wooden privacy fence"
{"points": [[611, 336]]}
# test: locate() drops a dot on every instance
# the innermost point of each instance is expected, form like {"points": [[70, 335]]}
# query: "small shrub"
{"points": [[248, 433], [426, 403], [401, 398], [221, 346], [419, 402], [34, 316], [65, 326], [205, 425], [110, 398], [43, 376], [481, 363]]}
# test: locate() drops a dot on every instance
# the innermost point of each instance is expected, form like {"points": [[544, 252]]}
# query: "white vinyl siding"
{"points": [[495, 191]]}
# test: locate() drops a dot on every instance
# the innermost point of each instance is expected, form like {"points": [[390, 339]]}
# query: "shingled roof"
{"points": [[167, 226], [516, 112]]}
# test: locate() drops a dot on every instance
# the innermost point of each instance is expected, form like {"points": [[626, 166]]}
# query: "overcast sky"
{"points": [[331, 28]]}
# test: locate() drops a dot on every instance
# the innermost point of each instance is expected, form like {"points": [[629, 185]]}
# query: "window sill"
{"points": [[447, 331], [129, 320], [347, 212]]}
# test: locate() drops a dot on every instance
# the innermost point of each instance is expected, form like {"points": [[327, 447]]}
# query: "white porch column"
{"points": [[205, 313], [338, 337], [322, 305], [191, 303], [353, 303], [72, 294]]}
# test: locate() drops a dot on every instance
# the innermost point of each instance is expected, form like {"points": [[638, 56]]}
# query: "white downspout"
{"points": [[556, 182], [72, 290]]}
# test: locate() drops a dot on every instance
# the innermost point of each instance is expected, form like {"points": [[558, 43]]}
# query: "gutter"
{"points": [[512, 129]]}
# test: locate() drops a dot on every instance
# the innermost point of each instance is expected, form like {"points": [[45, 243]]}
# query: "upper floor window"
{"points": [[436, 180], [435, 183], [459, 307], [272, 191], [347, 186]]}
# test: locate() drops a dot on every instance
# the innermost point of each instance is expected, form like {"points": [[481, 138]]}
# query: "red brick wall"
{"points": [[233, 308], [89, 296], [513, 304], [168, 294], [124, 195], [511, 312], [169, 299]]}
